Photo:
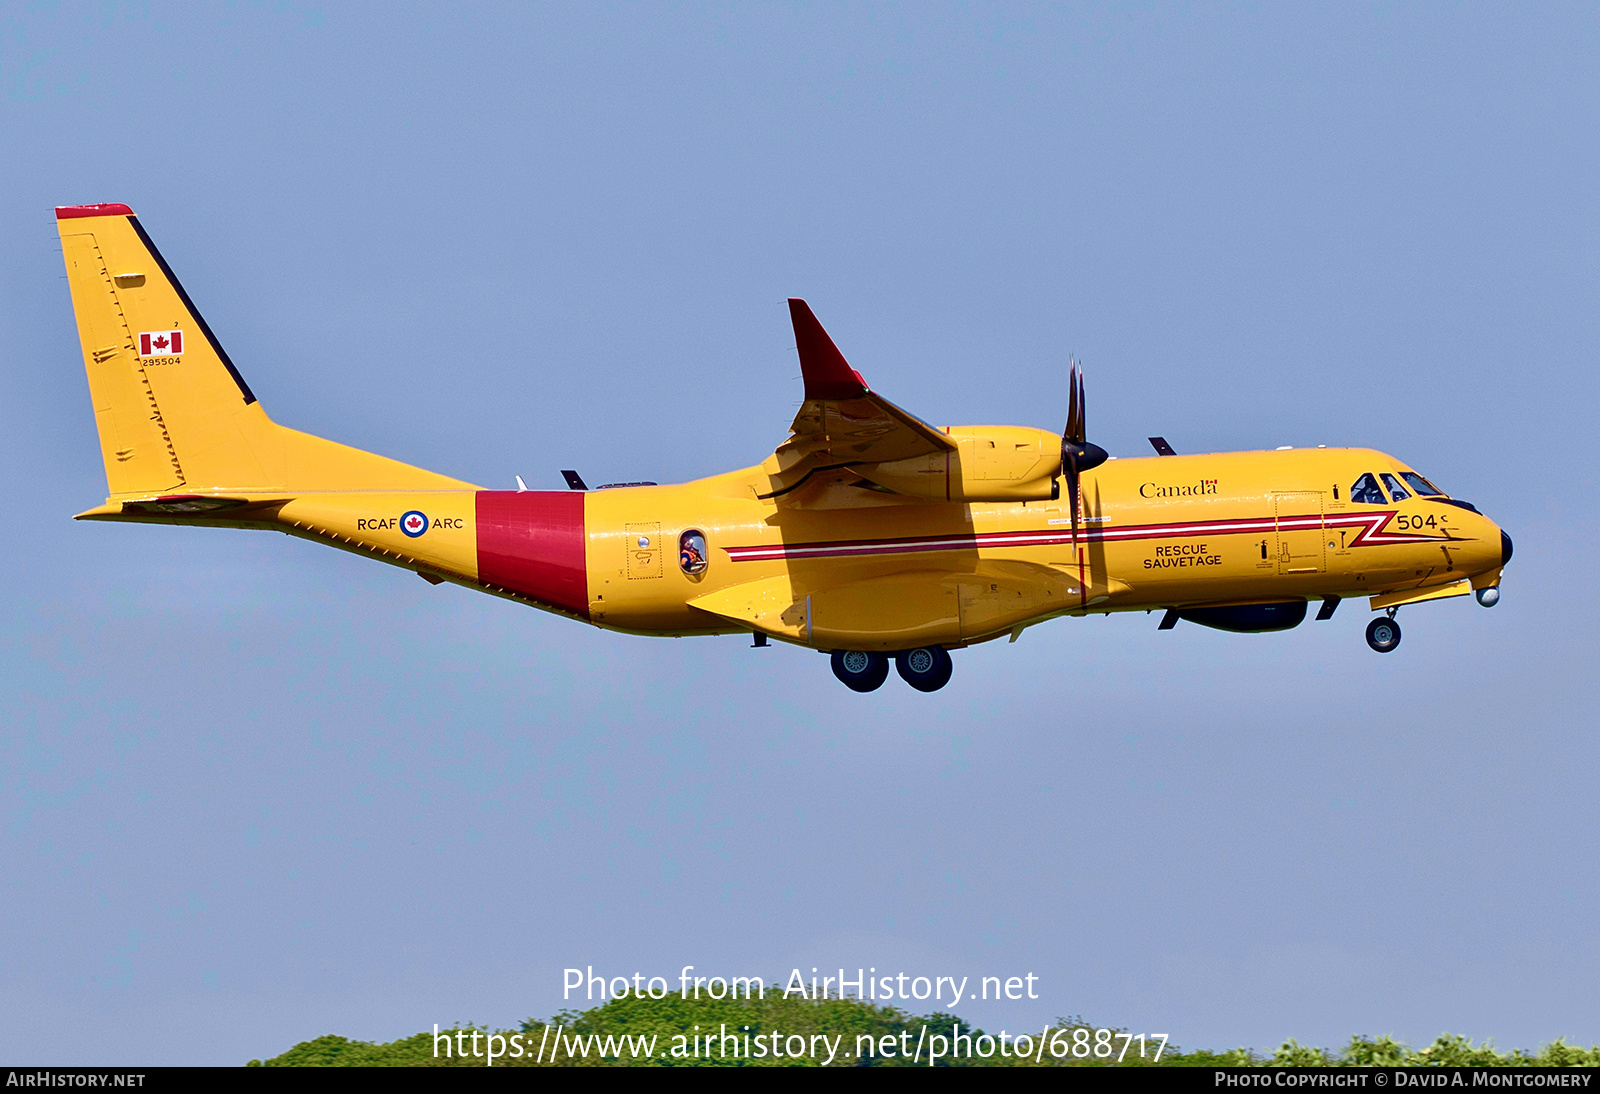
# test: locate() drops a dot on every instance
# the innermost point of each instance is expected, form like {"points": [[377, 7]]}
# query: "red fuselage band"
{"points": [[532, 543]]}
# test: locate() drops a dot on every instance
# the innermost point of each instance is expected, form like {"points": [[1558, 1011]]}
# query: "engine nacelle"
{"points": [[993, 463], [1248, 618]]}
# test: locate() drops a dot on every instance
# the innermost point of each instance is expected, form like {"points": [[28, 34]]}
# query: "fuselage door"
{"points": [[1302, 544], [643, 547]]}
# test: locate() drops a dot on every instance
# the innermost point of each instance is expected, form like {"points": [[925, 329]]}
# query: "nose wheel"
{"points": [[860, 671], [1383, 635]]}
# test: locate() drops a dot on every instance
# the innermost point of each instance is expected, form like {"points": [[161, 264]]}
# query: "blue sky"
{"points": [[253, 791]]}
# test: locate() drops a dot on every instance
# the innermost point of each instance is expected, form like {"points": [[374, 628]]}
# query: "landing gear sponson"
{"points": [[926, 668]]}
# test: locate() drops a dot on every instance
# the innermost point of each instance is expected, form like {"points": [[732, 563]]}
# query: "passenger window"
{"points": [[1421, 485], [692, 551], [1395, 488], [1365, 490]]}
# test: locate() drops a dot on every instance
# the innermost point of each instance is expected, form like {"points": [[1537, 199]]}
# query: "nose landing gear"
{"points": [[1383, 635]]}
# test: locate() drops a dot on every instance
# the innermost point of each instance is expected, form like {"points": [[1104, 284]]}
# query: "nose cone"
{"points": [[1505, 548]]}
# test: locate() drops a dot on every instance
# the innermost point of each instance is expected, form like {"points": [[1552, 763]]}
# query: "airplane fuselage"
{"points": [[867, 532], [1155, 533]]}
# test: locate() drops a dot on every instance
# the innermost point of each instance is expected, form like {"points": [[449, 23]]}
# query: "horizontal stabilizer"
{"points": [[184, 503]]}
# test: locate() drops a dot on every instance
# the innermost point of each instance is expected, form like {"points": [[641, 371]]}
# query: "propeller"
{"points": [[1077, 454]]}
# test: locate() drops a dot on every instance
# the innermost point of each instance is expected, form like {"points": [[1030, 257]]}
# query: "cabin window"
{"points": [[1365, 490], [692, 551], [1421, 485], [1400, 493]]}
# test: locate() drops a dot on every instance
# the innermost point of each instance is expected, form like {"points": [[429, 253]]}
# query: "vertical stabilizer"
{"points": [[172, 410]]}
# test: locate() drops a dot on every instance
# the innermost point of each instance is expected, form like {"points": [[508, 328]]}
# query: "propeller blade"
{"points": [[1077, 453], [1083, 412], [1074, 429], [1072, 495]]}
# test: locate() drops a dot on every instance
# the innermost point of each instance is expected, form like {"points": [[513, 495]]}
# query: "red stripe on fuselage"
{"points": [[531, 542], [1366, 524]]}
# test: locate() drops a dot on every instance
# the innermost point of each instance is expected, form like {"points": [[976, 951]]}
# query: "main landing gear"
{"points": [[926, 668], [1383, 635], [860, 671]]}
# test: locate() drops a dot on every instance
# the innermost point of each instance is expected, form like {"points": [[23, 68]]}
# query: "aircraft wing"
{"points": [[842, 420]]}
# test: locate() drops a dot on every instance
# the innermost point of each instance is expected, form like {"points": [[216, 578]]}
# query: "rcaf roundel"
{"points": [[160, 343], [414, 523]]}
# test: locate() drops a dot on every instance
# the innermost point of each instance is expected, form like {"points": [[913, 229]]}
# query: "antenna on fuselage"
{"points": [[522, 487]]}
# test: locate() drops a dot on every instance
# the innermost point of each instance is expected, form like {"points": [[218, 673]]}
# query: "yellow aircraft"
{"points": [[868, 534]]}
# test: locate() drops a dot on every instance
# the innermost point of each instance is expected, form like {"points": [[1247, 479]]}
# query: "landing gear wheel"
{"points": [[926, 668], [1383, 635], [860, 671]]}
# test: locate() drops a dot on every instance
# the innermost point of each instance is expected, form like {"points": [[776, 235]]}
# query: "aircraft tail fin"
{"points": [[172, 410]]}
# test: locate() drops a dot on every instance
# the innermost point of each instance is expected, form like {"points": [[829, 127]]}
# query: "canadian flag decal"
{"points": [[160, 343]]}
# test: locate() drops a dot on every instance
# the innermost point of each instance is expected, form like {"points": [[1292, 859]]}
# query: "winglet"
{"points": [[827, 374]]}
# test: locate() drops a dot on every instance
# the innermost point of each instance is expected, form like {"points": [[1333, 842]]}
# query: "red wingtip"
{"points": [[827, 374], [105, 209]]}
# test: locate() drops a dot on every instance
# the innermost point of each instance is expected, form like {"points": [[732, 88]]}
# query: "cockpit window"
{"points": [[692, 551], [1421, 485], [1365, 490], [1400, 493]]}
